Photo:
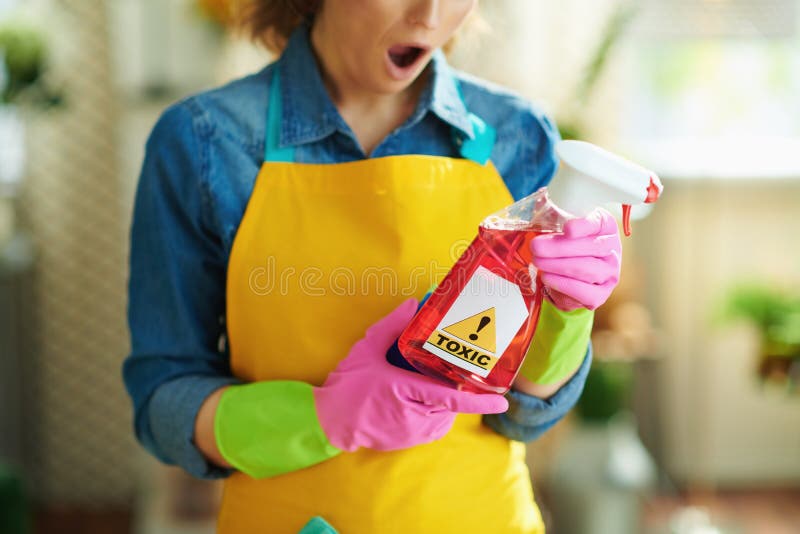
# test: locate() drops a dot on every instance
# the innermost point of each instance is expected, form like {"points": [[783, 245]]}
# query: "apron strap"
{"points": [[477, 149], [272, 151]]}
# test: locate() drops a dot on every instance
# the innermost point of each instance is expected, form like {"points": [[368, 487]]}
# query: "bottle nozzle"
{"points": [[653, 190], [626, 219]]}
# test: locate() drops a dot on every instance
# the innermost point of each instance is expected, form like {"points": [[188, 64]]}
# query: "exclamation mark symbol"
{"points": [[483, 322]]}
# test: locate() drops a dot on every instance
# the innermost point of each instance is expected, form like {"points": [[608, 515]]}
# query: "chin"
{"points": [[388, 85], [392, 87]]}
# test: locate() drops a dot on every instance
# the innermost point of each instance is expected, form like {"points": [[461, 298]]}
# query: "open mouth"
{"points": [[403, 56]]}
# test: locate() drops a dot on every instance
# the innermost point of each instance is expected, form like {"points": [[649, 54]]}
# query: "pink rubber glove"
{"points": [[368, 402], [580, 267]]}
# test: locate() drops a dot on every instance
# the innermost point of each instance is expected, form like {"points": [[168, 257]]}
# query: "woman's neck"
{"points": [[371, 116]]}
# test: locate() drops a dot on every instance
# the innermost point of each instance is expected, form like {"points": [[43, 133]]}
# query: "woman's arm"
{"points": [[552, 376], [542, 391], [176, 297], [204, 437]]}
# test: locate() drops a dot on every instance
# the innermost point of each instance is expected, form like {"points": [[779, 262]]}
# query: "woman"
{"points": [[263, 212]]}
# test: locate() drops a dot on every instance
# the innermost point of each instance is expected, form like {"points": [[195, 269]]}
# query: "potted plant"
{"points": [[775, 312], [23, 60]]}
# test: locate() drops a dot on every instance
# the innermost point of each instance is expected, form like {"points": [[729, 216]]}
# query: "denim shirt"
{"points": [[201, 161]]}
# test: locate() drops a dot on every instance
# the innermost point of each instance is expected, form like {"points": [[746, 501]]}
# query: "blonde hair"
{"points": [[271, 22]]}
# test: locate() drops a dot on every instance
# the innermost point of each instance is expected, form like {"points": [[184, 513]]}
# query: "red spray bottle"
{"points": [[474, 330]]}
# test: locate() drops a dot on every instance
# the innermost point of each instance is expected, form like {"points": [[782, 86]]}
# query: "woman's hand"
{"points": [[580, 267], [273, 427], [367, 402]]}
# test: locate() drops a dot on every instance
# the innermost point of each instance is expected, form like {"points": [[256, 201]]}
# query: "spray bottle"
{"points": [[474, 330]]}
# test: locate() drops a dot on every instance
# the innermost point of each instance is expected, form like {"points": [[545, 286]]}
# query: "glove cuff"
{"points": [[559, 344], [269, 428]]}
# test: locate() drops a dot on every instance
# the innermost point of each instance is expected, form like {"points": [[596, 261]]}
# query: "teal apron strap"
{"points": [[477, 149], [273, 152]]}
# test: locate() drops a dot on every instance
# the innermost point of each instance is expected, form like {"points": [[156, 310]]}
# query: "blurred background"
{"points": [[690, 421]]}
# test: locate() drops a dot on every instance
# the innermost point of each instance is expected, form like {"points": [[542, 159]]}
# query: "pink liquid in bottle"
{"points": [[466, 352]]}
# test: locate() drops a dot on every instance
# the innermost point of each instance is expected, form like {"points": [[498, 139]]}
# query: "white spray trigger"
{"points": [[590, 176]]}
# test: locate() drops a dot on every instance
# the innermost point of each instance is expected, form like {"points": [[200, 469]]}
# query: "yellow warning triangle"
{"points": [[478, 329]]}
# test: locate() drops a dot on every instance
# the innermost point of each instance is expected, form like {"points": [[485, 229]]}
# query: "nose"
{"points": [[425, 13]]}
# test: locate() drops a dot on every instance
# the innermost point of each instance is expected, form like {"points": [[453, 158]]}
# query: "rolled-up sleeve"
{"points": [[528, 417], [176, 297]]}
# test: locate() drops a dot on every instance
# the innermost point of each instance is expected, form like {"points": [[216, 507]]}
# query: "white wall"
{"points": [[720, 426]]}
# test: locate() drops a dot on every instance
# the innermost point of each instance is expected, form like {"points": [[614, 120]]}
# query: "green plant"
{"points": [[775, 312], [14, 510], [607, 390], [23, 57], [776, 315]]}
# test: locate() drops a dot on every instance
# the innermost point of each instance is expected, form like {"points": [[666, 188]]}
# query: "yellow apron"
{"points": [[322, 252]]}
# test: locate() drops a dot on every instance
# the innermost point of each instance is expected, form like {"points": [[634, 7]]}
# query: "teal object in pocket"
{"points": [[317, 525]]}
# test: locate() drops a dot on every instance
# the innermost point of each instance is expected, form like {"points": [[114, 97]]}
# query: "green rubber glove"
{"points": [[559, 344], [269, 428]]}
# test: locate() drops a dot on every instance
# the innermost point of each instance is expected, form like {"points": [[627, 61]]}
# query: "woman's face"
{"points": [[382, 46]]}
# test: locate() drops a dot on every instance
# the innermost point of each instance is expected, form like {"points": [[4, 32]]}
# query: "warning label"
{"points": [[480, 324], [459, 349], [479, 330]]}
